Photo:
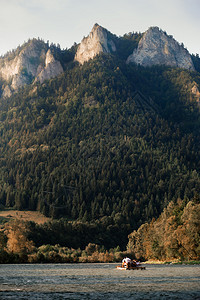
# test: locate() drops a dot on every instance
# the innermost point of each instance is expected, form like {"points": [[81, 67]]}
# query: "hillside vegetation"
{"points": [[106, 145], [174, 235]]}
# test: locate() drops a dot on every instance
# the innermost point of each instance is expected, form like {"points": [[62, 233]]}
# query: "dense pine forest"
{"points": [[106, 144]]}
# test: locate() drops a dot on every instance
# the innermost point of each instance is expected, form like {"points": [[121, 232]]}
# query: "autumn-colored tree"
{"points": [[138, 241], [17, 235], [188, 234], [174, 235]]}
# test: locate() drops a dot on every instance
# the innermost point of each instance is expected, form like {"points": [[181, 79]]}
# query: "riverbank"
{"points": [[174, 262]]}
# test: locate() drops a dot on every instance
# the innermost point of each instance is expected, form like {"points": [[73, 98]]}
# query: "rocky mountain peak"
{"points": [[17, 66], [35, 60], [99, 40], [31, 62], [158, 48], [96, 26]]}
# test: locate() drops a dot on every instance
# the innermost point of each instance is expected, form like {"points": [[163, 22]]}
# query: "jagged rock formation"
{"points": [[33, 61], [98, 41], [52, 68], [157, 48]]}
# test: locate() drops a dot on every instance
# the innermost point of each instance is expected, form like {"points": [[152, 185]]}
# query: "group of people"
{"points": [[127, 263]]}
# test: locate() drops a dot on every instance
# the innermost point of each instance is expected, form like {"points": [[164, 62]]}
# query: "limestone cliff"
{"points": [[99, 40], [52, 68], [33, 61], [158, 48], [18, 69]]}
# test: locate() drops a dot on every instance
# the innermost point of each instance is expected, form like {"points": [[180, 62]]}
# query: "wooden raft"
{"points": [[130, 268]]}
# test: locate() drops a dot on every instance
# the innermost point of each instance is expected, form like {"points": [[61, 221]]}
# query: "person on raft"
{"points": [[127, 263]]}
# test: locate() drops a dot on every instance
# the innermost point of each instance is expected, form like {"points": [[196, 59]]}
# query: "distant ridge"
{"points": [[35, 62]]}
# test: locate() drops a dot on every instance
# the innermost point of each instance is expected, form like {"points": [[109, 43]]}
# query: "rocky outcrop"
{"points": [[52, 68], [99, 40], [20, 69], [157, 48], [34, 62]]}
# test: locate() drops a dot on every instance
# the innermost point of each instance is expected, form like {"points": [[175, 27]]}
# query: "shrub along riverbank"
{"points": [[56, 254], [61, 241], [173, 237]]}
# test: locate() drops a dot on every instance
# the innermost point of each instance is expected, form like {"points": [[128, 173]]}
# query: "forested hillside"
{"points": [[104, 139], [174, 235]]}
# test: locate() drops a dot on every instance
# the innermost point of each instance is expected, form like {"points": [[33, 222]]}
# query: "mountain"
{"points": [[105, 141], [37, 61], [99, 40], [32, 62], [157, 48]]}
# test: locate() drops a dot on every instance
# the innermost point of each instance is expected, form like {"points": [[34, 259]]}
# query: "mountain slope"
{"points": [[102, 148], [104, 140]]}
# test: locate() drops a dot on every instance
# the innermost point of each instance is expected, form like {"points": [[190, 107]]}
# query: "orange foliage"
{"points": [[17, 234], [175, 234]]}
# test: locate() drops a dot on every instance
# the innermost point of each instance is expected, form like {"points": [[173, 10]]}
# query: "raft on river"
{"points": [[130, 268], [129, 264]]}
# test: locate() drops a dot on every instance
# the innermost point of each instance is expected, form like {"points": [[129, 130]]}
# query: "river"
{"points": [[98, 281]]}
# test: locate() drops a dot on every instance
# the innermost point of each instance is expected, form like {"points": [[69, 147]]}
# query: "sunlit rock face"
{"points": [[19, 68], [34, 61], [98, 41], [158, 48], [52, 68]]}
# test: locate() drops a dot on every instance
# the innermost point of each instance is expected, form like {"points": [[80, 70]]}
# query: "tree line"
{"points": [[102, 140]]}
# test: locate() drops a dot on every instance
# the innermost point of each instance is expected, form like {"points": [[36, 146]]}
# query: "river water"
{"points": [[98, 281]]}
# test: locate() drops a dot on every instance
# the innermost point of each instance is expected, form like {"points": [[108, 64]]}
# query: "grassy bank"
{"points": [[188, 262], [174, 262]]}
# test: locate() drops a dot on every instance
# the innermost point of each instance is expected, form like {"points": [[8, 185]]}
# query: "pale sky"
{"points": [[68, 21]]}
